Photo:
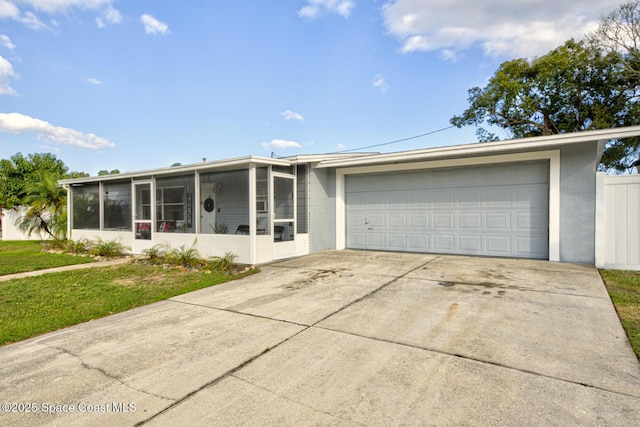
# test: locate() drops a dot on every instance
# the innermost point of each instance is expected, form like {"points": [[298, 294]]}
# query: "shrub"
{"points": [[157, 252], [224, 263], [106, 248], [187, 257]]}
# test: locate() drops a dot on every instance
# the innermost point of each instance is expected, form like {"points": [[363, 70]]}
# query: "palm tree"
{"points": [[46, 208]]}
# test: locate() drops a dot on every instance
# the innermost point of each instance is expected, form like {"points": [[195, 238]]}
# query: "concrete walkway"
{"points": [[96, 264], [344, 338]]}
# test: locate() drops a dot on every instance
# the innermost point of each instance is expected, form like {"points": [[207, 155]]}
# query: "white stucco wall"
{"points": [[10, 231]]}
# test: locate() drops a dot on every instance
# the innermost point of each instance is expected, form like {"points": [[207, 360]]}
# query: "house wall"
{"points": [[322, 221], [577, 203], [10, 231]]}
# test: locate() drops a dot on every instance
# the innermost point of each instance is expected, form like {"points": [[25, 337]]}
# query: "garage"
{"points": [[491, 210]]}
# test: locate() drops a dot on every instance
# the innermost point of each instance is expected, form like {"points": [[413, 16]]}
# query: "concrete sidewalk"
{"points": [[344, 338], [74, 267]]}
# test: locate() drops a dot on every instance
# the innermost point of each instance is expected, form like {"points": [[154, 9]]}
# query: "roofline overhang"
{"points": [[488, 148], [176, 170]]}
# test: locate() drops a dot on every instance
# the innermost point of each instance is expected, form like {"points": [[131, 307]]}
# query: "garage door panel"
{"points": [[529, 246], [530, 196], [470, 221], [444, 199], [443, 220], [497, 197], [419, 221], [471, 198], [418, 199], [419, 242], [376, 240], [498, 245], [398, 241], [398, 220], [531, 220], [498, 221], [469, 244], [444, 243], [492, 210], [376, 220], [396, 200], [356, 220]]}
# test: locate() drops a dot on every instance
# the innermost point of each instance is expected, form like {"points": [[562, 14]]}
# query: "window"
{"points": [[224, 202], [86, 207], [117, 206], [174, 204]]}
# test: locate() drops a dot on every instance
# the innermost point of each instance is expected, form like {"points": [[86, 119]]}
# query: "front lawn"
{"points": [[35, 305], [624, 290], [21, 256]]}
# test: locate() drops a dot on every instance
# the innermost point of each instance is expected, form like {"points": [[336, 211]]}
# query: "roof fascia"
{"points": [[488, 148]]}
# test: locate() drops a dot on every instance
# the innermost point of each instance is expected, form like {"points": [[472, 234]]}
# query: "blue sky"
{"points": [[131, 85]]}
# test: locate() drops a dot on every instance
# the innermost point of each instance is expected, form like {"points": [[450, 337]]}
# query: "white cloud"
{"points": [[93, 81], [280, 143], [109, 16], [20, 124], [341, 147], [6, 74], [61, 6], [315, 8], [451, 55], [6, 42], [379, 82], [33, 22], [153, 26], [522, 29], [8, 10], [291, 115]]}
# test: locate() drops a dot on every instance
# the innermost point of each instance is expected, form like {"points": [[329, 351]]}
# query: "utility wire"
{"points": [[394, 142]]}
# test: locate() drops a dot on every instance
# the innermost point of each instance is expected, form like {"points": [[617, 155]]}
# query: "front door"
{"points": [[284, 216], [142, 216]]}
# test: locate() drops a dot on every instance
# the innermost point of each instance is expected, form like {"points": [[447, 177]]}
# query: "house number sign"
{"points": [[189, 210]]}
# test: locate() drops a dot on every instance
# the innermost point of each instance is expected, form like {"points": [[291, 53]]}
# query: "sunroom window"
{"points": [[174, 204]]}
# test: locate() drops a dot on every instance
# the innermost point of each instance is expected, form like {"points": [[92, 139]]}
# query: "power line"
{"points": [[396, 141]]}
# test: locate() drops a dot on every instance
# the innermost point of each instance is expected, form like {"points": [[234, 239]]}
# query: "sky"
{"points": [[135, 85]]}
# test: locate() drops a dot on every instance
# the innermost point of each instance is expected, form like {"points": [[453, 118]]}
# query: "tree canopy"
{"points": [[19, 172], [581, 85]]}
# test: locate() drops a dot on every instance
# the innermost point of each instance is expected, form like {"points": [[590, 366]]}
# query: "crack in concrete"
{"points": [[105, 373], [227, 310], [472, 359], [232, 371], [218, 379], [295, 401]]}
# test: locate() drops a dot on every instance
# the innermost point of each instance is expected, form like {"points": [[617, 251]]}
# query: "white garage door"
{"points": [[496, 210]]}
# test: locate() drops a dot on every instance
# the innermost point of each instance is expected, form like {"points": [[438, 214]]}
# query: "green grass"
{"points": [[624, 290], [21, 256], [35, 305]]}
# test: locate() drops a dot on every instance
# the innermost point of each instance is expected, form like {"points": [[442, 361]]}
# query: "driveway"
{"points": [[344, 338]]}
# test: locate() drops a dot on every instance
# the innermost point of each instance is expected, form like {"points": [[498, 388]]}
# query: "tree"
{"points": [[107, 172], [619, 33], [32, 182], [575, 87], [46, 204], [19, 172]]}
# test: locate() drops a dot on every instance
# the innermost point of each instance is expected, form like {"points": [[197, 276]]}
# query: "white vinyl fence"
{"points": [[11, 231], [618, 222]]}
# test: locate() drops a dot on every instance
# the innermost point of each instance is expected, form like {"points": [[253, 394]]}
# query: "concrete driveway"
{"points": [[344, 338]]}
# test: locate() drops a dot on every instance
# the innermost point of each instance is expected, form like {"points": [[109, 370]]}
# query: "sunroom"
{"points": [[253, 207]]}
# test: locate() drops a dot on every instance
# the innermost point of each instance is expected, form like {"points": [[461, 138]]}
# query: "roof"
{"points": [[208, 166], [337, 160], [487, 148]]}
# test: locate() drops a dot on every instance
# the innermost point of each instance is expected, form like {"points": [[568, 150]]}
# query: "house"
{"points": [[526, 198]]}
